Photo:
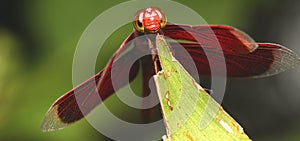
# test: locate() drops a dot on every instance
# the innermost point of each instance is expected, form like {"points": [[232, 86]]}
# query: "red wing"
{"points": [[68, 109], [243, 56], [213, 36], [268, 59]]}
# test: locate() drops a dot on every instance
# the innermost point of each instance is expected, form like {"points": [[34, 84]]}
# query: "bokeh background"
{"points": [[38, 40]]}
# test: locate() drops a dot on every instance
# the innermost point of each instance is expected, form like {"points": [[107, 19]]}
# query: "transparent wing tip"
{"points": [[51, 121], [284, 59]]}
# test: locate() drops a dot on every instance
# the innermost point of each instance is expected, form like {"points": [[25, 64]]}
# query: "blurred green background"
{"points": [[38, 40]]}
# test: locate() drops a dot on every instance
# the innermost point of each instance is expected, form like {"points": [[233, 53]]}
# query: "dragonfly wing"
{"points": [[79, 101], [244, 57], [283, 58], [212, 36], [268, 59]]}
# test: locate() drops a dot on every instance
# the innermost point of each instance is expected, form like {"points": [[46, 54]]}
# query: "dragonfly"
{"points": [[244, 58]]}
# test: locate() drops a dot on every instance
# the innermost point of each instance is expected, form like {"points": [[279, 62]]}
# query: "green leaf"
{"points": [[189, 112]]}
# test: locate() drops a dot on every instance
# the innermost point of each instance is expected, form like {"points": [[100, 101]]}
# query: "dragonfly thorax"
{"points": [[149, 20]]}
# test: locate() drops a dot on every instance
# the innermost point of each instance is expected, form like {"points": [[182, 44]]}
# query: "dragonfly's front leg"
{"points": [[153, 51]]}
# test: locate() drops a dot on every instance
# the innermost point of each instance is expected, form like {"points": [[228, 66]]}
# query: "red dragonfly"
{"points": [[244, 58]]}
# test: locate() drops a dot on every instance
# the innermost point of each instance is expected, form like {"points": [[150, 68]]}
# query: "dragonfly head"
{"points": [[149, 20]]}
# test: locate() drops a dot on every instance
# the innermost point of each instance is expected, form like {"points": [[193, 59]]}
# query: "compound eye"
{"points": [[138, 22], [139, 26], [162, 16]]}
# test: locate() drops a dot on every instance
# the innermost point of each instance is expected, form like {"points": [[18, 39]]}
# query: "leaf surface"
{"points": [[189, 112]]}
